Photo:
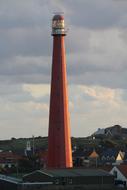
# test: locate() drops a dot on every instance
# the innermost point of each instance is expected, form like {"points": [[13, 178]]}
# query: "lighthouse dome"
{"points": [[58, 17]]}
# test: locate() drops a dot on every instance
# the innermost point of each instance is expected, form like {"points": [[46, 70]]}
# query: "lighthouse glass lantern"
{"points": [[58, 27]]}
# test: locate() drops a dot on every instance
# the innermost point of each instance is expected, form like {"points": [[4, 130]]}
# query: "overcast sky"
{"points": [[96, 52]]}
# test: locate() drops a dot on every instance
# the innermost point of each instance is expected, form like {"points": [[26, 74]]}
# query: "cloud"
{"points": [[23, 14], [96, 46], [22, 114], [36, 90], [97, 14], [103, 63], [22, 70], [99, 51], [105, 107], [90, 107], [97, 59], [32, 41]]}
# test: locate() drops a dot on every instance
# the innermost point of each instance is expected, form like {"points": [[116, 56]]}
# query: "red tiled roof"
{"points": [[123, 169], [107, 168], [7, 161], [9, 155]]}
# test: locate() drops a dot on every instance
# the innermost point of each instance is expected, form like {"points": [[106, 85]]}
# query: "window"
{"points": [[115, 173], [103, 158], [64, 180], [57, 181], [112, 158], [69, 181]]}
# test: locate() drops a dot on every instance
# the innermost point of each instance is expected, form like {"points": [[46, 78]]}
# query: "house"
{"points": [[91, 178], [120, 173], [60, 179], [93, 158], [78, 157], [115, 131], [108, 156], [99, 132], [8, 159], [112, 157]]}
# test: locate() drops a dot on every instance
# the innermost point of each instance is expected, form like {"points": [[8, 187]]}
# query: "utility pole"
{"points": [[33, 145]]}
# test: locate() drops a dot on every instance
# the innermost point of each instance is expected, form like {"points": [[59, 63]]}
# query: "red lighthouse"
{"points": [[59, 142]]}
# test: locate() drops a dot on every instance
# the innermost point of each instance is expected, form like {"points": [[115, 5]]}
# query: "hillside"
{"points": [[114, 136], [19, 145]]}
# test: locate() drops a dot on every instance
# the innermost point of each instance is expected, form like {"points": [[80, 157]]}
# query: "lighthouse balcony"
{"points": [[58, 32]]}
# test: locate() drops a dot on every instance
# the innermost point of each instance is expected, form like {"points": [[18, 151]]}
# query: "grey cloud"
{"points": [[32, 39], [106, 79], [25, 42], [25, 65], [77, 40], [96, 14], [24, 13], [123, 36], [28, 78], [16, 94], [24, 97], [25, 70], [124, 95]]}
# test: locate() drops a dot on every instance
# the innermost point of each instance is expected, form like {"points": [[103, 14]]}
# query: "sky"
{"points": [[96, 54]]}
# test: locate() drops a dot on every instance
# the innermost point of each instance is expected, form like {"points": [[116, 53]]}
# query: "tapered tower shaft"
{"points": [[59, 142]]}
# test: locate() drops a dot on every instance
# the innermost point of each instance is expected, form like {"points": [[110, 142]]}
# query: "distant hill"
{"points": [[19, 145], [40, 143], [114, 136]]}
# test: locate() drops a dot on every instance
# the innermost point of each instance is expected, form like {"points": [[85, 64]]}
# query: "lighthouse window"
{"points": [[115, 173]]}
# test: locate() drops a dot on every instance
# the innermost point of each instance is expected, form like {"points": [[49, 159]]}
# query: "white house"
{"points": [[120, 173]]}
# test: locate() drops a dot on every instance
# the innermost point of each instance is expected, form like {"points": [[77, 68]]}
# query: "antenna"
{"points": [[58, 13]]}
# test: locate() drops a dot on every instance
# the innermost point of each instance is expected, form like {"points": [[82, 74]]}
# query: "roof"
{"points": [[123, 169], [93, 154], [78, 153], [58, 17], [11, 161], [120, 156], [110, 153], [9, 155], [10, 179], [107, 168], [73, 172]]}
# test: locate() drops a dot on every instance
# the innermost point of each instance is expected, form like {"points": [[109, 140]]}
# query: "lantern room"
{"points": [[58, 27]]}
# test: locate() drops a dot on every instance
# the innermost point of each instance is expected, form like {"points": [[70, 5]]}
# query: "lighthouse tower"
{"points": [[59, 142]]}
